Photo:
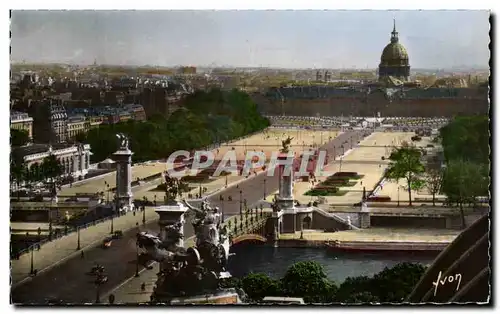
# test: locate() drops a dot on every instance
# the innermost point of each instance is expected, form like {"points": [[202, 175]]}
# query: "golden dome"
{"points": [[394, 53]]}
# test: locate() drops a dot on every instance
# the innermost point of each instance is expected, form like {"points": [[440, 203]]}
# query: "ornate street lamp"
{"points": [[137, 259], [78, 238]]}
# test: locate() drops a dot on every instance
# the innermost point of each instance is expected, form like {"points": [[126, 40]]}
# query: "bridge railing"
{"points": [[247, 224]]}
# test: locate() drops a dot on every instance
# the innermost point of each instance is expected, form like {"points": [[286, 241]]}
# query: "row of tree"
{"points": [[465, 175], [19, 137], [48, 171], [206, 117], [309, 281]]}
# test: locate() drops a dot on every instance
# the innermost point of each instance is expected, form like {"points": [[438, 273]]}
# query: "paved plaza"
{"points": [[302, 140], [366, 160]]}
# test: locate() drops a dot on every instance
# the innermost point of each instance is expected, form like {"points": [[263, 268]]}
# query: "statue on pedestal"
{"points": [[123, 141], [173, 189], [286, 144], [197, 270]]}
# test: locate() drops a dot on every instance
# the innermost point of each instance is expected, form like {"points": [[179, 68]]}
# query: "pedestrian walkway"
{"points": [[59, 250]]}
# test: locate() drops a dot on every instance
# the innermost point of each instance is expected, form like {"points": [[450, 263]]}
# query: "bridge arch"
{"points": [[248, 237]]}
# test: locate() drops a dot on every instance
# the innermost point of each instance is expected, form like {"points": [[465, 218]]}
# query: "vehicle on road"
{"points": [[101, 279], [118, 234], [96, 270], [106, 243]]}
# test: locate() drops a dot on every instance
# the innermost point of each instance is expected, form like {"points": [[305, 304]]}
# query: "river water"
{"points": [[338, 266]]}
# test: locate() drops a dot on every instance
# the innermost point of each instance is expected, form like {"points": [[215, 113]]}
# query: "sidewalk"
{"points": [[59, 250]]}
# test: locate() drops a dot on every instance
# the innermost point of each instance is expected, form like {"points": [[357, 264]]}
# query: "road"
{"points": [[69, 282]]}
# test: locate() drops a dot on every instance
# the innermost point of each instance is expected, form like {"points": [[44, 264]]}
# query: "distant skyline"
{"points": [[285, 39]]}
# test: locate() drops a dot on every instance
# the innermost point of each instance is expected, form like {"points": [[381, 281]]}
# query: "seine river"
{"points": [[338, 266]]}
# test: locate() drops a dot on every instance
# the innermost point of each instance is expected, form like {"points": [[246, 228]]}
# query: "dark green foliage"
{"points": [[257, 286], [406, 164], [467, 138], [465, 143], [396, 283], [207, 117], [19, 137], [308, 280]]}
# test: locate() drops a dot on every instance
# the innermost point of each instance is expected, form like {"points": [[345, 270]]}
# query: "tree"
{"points": [[406, 164], [396, 283], [18, 171], [257, 286], [34, 174], [308, 280], [51, 170], [463, 182], [433, 181], [206, 117], [467, 138], [352, 286], [19, 137]]}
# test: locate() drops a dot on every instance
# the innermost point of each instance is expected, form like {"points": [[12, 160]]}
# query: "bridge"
{"points": [[248, 237], [250, 226]]}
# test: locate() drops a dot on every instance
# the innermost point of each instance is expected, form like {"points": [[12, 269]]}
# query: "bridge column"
{"points": [[171, 214], [284, 201]]}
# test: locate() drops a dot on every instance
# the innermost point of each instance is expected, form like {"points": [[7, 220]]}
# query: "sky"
{"points": [[286, 39]]}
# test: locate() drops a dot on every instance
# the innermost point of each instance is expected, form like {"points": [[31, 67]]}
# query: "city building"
{"points": [[75, 159], [394, 60], [21, 121], [136, 111], [76, 125], [50, 121], [393, 95]]}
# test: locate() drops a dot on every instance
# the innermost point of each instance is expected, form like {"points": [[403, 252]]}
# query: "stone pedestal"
{"points": [[171, 214], [284, 200], [364, 220], [123, 197]]}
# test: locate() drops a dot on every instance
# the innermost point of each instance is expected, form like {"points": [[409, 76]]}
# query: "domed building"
{"points": [[394, 61]]}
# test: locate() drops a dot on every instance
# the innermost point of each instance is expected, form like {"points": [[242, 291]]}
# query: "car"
{"points": [[96, 270], [106, 243], [101, 279], [118, 234]]}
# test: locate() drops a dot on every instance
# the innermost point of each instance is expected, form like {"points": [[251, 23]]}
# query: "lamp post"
{"points": [[222, 207], [137, 259], [398, 195], [341, 157], [264, 189], [241, 202], [32, 271], [107, 191], [78, 238], [112, 221]]}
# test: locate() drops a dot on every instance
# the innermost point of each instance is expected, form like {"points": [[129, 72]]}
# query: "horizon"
{"points": [[250, 39]]}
